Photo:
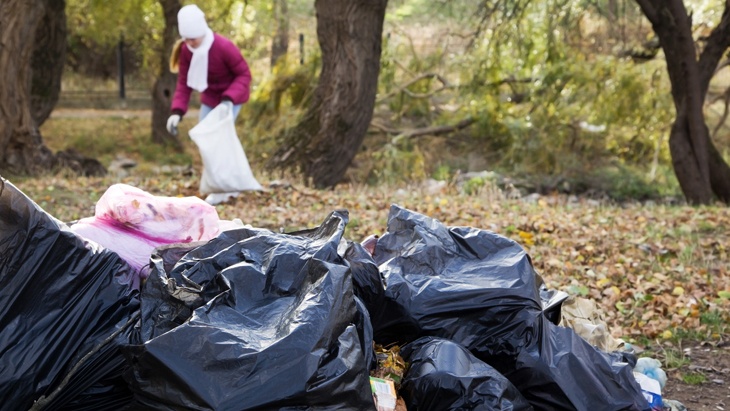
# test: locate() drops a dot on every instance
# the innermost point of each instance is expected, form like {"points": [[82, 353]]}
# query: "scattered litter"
{"points": [[671, 405], [445, 376], [652, 368], [156, 303], [480, 290], [132, 222], [252, 319], [585, 318], [66, 308], [384, 394]]}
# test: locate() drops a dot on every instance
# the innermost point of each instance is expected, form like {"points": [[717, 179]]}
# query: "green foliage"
{"points": [[99, 24], [694, 378], [396, 163], [547, 106], [674, 359], [278, 101], [623, 182], [442, 173], [715, 321], [543, 80]]}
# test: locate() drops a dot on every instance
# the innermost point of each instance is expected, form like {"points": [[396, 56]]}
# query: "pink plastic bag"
{"points": [[132, 223]]}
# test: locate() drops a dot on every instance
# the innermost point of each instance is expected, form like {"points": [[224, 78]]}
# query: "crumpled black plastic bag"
{"points": [[252, 320], [443, 375], [480, 290], [61, 298]]}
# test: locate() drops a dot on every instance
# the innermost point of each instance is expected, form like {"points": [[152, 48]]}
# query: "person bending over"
{"points": [[209, 63]]}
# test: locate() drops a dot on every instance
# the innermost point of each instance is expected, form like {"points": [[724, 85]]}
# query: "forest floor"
{"points": [[659, 273], [702, 381]]}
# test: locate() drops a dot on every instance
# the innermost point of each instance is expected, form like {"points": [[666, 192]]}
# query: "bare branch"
{"points": [[433, 131], [404, 88], [717, 43], [649, 10]]}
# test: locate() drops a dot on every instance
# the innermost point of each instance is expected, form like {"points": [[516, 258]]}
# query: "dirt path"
{"points": [[709, 364]]}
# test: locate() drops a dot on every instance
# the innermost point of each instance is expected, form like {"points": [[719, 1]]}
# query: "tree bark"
{"points": [[32, 35], [48, 61], [700, 169], [164, 87], [21, 147], [323, 144], [280, 40]]}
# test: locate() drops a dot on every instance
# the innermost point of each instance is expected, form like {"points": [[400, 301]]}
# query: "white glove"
{"points": [[228, 104], [172, 123]]}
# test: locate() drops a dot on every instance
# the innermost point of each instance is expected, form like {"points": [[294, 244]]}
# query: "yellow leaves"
{"points": [[603, 282], [678, 291], [527, 238], [390, 363]]}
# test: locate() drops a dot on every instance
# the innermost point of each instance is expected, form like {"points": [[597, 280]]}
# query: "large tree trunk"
{"points": [[700, 169], [49, 59], [21, 147], [326, 140], [280, 41], [164, 87]]}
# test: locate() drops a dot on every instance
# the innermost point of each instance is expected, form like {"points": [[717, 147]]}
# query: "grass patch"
{"points": [[105, 138], [694, 378], [674, 358]]}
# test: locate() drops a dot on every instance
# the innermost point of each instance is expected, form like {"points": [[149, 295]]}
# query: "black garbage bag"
{"points": [[365, 331], [252, 320], [66, 308], [369, 284], [443, 375], [480, 290]]}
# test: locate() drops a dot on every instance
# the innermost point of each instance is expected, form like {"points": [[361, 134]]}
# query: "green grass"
{"points": [[105, 138], [674, 358], [694, 378]]}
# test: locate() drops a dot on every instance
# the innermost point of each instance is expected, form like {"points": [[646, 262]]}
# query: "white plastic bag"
{"points": [[225, 167], [133, 222]]}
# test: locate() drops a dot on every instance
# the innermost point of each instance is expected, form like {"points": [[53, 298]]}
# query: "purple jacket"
{"points": [[228, 76]]}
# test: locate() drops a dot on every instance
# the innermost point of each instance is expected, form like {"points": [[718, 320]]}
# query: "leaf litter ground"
{"points": [[659, 273]]}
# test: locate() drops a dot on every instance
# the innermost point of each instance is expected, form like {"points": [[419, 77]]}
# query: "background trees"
{"points": [[21, 24], [566, 94], [324, 143], [699, 166]]}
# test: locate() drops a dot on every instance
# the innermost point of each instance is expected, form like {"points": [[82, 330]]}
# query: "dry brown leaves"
{"points": [[653, 269]]}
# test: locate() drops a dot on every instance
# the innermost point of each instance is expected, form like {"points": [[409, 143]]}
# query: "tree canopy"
{"points": [[570, 89]]}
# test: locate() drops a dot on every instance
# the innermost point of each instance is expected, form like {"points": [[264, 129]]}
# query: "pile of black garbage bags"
{"points": [[260, 320]]}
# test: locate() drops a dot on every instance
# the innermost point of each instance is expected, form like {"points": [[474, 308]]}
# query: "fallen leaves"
{"points": [[652, 269]]}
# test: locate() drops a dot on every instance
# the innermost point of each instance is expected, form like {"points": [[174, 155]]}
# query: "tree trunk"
{"points": [[280, 41], [326, 140], [164, 87], [49, 59], [700, 169], [21, 147]]}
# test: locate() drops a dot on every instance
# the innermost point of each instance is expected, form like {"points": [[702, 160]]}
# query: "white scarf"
{"points": [[198, 71]]}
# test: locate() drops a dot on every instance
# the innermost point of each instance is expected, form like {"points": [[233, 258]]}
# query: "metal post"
{"points": [[301, 48], [120, 66]]}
